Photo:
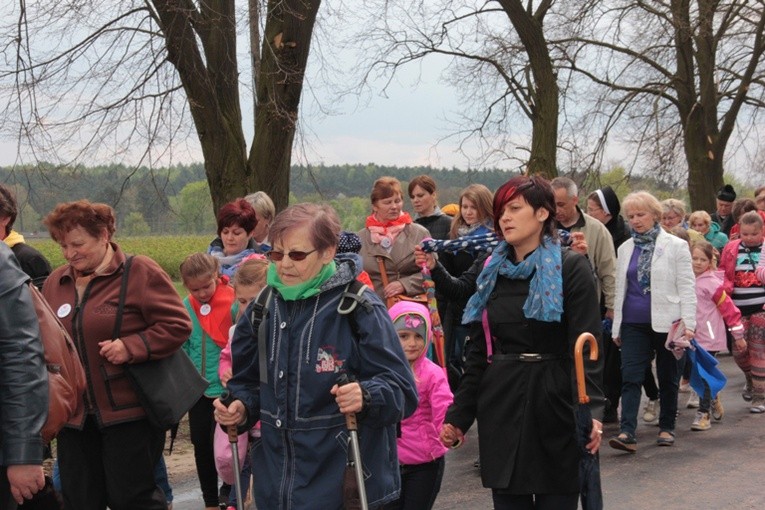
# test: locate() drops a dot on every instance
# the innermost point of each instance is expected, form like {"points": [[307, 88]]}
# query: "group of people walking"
{"points": [[305, 325]]}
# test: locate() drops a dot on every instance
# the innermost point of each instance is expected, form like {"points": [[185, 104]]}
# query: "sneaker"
{"points": [[693, 401], [701, 422], [666, 438], [718, 411], [685, 386], [649, 411], [624, 442], [758, 405]]}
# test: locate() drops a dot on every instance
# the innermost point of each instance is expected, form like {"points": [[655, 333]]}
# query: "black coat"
{"points": [[619, 230], [525, 410], [437, 224], [32, 262]]}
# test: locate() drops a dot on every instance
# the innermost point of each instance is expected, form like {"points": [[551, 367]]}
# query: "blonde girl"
{"points": [[249, 280], [209, 304], [475, 212], [714, 310]]}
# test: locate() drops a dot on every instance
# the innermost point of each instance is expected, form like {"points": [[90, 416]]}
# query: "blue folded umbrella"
{"points": [[704, 368]]}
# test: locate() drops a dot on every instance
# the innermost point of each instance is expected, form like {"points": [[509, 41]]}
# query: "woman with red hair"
{"points": [[236, 223]]}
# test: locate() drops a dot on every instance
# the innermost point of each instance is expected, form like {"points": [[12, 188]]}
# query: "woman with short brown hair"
{"points": [[388, 240], [107, 453]]}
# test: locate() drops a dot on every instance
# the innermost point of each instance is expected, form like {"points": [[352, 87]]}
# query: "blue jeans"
{"points": [[639, 342], [160, 476]]}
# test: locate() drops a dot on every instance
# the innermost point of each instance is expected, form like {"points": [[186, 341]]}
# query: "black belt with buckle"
{"points": [[529, 357]]}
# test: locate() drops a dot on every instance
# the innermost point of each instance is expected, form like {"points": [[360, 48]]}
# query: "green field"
{"points": [[168, 251]]}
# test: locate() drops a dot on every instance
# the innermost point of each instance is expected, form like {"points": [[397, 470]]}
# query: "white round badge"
{"points": [[63, 310], [205, 309], [385, 242]]}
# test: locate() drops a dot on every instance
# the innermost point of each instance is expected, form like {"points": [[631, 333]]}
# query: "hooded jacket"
{"points": [[303, 453], [716, 238], [714, 310], [419, 442]]}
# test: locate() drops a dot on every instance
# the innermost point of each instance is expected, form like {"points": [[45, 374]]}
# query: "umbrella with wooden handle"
{"points": [[589, 465]]}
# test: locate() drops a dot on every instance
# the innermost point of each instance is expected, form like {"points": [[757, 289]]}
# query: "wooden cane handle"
{"points": [[581, 383]]}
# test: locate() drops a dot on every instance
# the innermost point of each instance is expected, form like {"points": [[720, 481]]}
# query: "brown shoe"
{"points": [[666, 438], [625, 442]]}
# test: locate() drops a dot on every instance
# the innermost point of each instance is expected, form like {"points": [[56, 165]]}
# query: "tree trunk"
{"points": [[286, 44], [253, 15], [212, 87], [543, 87], [698, 108]]}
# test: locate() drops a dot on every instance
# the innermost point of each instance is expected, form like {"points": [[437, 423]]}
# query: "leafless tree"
{"points": [[501, 62], [83, 78], [675, 79]]}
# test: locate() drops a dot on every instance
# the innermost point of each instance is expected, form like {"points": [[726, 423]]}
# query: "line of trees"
{"points": [[182, 205]]}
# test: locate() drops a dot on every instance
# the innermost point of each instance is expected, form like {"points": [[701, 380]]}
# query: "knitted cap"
{"points": [[412, 322], [727, 193], [349, 243]]}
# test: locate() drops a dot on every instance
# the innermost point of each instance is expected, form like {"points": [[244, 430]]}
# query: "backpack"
{"points": [[66, 377]]}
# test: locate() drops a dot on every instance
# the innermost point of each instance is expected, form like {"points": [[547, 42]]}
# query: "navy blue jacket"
{"points": [[302, 458]]}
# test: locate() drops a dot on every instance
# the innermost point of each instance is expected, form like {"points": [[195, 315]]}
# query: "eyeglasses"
{"points": [[295, 256]]}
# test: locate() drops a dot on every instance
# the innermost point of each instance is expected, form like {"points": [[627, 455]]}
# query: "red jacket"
{"points": [[154, 325]]}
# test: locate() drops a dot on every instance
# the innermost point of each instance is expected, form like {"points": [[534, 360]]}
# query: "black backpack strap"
{"points": [[353, 296], [123, 294], [258, 319]]}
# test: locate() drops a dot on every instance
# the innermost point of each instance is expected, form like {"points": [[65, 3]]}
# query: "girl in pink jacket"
{"points": [[420, 452], [714, 310]]}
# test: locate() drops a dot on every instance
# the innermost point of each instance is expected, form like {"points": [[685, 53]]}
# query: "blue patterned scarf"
{"points": [[481, 242], [646, 242], [545, 299]]}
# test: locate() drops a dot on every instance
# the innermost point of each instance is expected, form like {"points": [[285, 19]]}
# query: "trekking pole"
{"points": [[352, 426], [233, 438]]}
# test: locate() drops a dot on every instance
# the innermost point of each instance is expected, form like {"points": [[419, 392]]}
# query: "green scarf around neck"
{"points": [[301, 290]]}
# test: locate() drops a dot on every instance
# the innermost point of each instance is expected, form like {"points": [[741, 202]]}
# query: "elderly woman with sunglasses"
{"points": [[307, 346], [539, 298]]}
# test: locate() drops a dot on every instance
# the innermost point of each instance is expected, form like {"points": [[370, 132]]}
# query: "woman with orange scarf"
{"points": [[388, 242]]}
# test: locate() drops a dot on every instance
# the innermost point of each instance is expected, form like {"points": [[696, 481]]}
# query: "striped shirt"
{"points": [[748, 291]]}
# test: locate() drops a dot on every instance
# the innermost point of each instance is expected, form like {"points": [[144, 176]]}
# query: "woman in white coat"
{"points": [[654, 288]]}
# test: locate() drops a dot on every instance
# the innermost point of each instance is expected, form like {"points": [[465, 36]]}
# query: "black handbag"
{"points": [[166, 387]]}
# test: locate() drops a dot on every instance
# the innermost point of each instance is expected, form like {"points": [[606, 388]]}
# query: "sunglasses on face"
{"points": [[295, 256]]}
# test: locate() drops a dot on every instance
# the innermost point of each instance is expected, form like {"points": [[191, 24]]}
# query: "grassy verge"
{"points": [[167, 251]]}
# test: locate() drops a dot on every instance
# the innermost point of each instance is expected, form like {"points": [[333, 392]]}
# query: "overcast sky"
{"points": [[400, 129]]}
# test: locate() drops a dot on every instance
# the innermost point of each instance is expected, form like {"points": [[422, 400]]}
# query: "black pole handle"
{"points": [[226, 398]]}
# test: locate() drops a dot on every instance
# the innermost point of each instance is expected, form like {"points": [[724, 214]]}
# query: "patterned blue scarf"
{"points": [[481, 242], [646, 242], [545, 299]]}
